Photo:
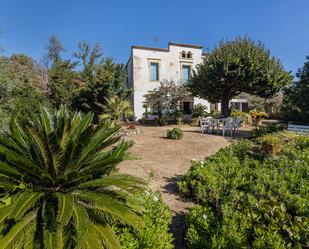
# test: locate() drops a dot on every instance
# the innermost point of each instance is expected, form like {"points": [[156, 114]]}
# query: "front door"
{"points": [[187, 107]]}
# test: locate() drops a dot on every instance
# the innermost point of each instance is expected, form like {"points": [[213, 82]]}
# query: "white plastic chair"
{"points": [[206, 124], [237, 124], [228, 126]]}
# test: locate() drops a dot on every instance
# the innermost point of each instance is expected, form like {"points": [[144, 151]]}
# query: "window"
{"points": [[186, 73], [189, 55], [154, 71], [183, 54]]}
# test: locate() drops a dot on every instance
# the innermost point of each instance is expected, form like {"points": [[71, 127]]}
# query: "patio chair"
{"points": [[237, 124], [228, 126], [206, 124]]}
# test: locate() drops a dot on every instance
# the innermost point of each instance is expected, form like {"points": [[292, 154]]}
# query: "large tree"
{"points": [[21, 84], [101, 79], [295, 104], [232, 67], [62, 79]]}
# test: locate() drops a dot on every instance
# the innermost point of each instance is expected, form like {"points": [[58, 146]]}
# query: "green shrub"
{"points": [[270, 144], [248, 201], [246, 117], [175, 133], [274, 143], [263, 130], [199, 111], [155, 234]]}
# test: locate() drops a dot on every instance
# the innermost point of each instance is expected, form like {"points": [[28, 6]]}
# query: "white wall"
{"points": [[170, 64]]}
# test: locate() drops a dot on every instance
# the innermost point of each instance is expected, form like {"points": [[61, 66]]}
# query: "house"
{"points": [[147, 67]]}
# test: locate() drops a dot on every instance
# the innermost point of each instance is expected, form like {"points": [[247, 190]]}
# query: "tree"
{"points": [[166, 98], [269, 105], [295, 104], [62, 79], [61, 188], [103, 81], [54, 49], [238, 66], [1, 49], [117, 109], [62, 82], [20, 85], [87, 55]]}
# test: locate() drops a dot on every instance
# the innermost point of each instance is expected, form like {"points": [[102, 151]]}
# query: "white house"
{"points": [[147, 67]]}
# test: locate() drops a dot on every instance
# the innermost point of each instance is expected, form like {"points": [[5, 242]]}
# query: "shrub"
{"points": [[175, 133], [258, 114], [60, 172], [270, 144], [248, 201], [155, 234], [246, 117], [199, 111], [263, 130]]}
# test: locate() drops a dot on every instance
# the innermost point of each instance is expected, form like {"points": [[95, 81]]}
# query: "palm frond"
{"points": [[65, 208], [107, 209], [8, 240], [25, 201], [58, 183]]}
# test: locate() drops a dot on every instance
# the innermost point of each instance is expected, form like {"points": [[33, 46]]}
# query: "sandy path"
{"points": [[167, 160]]}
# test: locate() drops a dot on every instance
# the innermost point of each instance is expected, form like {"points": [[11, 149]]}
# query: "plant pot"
{"points": [[257, 122]]}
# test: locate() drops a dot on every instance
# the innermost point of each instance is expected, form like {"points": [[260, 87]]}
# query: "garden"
{"points": [[252, 194], [76, 172]]}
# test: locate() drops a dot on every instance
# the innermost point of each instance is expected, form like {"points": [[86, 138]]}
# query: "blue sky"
{"points": [[283, 25]]}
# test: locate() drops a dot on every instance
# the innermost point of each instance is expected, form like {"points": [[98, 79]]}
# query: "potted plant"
{"points": [[257, 117]]}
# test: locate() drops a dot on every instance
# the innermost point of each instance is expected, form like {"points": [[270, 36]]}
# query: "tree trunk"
{"points": [[225, 105]]}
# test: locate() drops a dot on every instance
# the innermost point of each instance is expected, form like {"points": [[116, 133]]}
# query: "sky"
{"points": [[283, 25]]}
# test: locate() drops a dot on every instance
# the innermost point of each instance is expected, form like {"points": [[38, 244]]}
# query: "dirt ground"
{"points": [[166, 160]]}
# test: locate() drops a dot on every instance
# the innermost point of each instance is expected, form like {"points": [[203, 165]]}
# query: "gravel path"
{"points": [[167, 160]]}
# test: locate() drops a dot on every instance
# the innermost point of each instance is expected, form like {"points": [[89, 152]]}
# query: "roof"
{"points": [[150, 48], [168, 49], [185, 45]]}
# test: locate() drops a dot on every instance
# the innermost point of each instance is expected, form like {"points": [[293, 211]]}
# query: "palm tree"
{"points": [[57, 172], [117, 109]]}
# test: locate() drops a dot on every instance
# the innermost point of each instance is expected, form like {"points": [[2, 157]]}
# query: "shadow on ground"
{"points": [[177, 227]]}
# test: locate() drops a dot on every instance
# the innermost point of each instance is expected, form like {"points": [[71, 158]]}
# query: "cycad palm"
{"points": [[58, 171], [117, 109]]}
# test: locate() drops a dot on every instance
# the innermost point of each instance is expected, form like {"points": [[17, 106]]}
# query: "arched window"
{"points": [[189, 55], [183, 54]]}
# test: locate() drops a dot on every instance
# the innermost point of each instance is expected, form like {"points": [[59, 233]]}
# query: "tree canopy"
{"points": [[21, 80], [232, 67], [295, 104], [166, 98]]}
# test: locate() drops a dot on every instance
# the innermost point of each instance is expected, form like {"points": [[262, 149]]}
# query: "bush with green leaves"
{"points": [[266, 129], [175, 133], [58, 184], [246, 117], [249, 201], [199, 111], [155, 234]]}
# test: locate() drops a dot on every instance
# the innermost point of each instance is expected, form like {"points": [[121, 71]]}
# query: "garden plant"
{"points": [[59, 187], [250, 199]]}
